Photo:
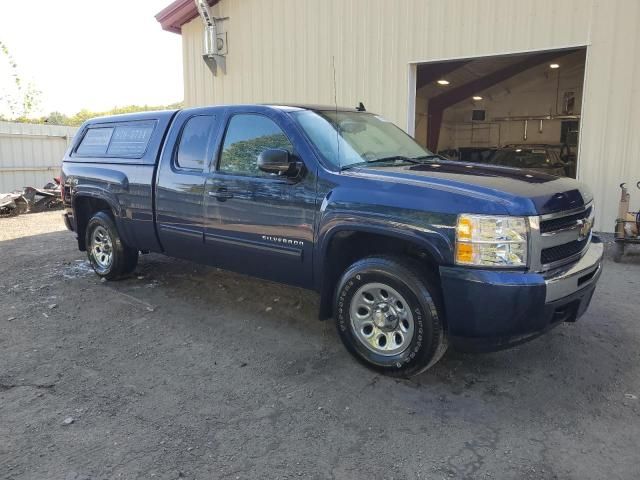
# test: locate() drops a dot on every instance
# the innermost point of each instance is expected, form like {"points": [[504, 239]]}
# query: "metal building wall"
{"points": [[30, 154], [283, 51]]}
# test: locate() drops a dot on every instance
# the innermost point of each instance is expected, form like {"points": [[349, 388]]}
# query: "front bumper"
{"points": [[489, 310]]}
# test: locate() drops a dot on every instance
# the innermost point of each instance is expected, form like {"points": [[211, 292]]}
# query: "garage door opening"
{"points": [[513, 110]]}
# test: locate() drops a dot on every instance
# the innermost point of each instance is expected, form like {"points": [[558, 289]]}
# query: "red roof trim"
{"points": [[172, 17]]}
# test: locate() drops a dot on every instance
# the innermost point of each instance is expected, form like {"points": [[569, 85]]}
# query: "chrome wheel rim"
{"points": [[381, 319], [101, 248]]}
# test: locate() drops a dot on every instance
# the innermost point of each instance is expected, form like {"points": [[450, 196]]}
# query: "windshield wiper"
{"points": [[432, 156], [383, 160]]}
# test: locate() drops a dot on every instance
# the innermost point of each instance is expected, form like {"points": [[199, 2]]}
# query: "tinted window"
{"points": [[120, 140], [130, 140], [350, 138], [194, 141], [246, 137], [95, 141]]}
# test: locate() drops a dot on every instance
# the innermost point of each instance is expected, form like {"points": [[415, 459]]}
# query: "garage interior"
{"points": [[471, 109]]}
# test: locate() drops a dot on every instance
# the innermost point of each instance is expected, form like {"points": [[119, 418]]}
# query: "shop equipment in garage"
{"points": [[627, 229]]}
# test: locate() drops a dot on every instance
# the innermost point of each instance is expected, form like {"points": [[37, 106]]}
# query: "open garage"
{"points": [[513, 110]]}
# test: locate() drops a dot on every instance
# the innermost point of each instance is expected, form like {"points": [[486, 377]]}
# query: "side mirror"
{"points": [[275, 160]]}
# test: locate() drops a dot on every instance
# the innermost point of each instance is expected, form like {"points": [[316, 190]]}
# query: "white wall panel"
{"points": [[30, 154], [609, 136]]}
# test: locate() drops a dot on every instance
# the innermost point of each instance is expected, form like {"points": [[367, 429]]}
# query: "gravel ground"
{"points": [[185, 371], [12, 228]]}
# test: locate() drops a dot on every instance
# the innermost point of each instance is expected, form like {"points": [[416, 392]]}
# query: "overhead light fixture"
{"points": [[477, 97], [554, 65], [442, 81]]}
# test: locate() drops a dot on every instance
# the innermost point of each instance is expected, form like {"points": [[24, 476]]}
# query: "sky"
{"points": [[90, 54]]}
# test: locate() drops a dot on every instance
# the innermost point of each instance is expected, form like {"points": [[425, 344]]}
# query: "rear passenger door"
{"points": [[180, 186], [255, 222]]}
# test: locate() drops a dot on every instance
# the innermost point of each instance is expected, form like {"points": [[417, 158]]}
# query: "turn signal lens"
{"points": [[465, 227], [464, 253]]}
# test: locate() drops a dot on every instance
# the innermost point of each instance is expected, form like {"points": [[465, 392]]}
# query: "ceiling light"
{"points": [[477, 97], [554, 65], [442, 81]]}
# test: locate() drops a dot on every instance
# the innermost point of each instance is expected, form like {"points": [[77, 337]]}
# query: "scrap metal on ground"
{"points": [[31, 200]]}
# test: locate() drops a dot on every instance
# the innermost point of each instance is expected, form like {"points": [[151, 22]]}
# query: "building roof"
{"points": [[179, 12]]}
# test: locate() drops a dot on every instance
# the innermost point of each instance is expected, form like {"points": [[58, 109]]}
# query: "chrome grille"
{"points": [[560, 238], [560, 252], [563, 222]]}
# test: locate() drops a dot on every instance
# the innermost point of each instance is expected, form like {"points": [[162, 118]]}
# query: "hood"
{"points": [[557, 171], [519, 188]]}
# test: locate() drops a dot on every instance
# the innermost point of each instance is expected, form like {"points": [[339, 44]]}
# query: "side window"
{"points": [[130, 140], [95, 142], [247, 136], [194, 143], [124, 140]]}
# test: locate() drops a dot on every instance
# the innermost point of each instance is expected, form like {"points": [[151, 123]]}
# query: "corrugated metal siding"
{"points": [[283, 50], [30, 154], [609, 137]]}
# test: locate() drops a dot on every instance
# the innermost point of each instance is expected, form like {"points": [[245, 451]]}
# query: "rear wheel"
{"points": [[388, 317], [108, 255]]}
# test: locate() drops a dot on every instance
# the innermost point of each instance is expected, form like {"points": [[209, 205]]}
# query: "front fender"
{"points": [[435, 241], [435, 236]]}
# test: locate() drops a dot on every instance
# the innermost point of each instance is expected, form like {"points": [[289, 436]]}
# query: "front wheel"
{"points": [[388, 317], [108, 255]]}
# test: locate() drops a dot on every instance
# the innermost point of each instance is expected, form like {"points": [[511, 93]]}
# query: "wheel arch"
{"points": [[344, 244], [87, 204]]}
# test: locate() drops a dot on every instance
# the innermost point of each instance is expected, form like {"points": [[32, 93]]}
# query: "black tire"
{"points": [[618, 251], [123, 259], [426, 341]]}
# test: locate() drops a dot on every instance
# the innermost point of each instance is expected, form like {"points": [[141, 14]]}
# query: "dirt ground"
{"points": [[185, 371]]}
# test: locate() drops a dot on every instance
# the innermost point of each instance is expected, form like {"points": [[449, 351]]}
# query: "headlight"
{"points": [[492, 241]]}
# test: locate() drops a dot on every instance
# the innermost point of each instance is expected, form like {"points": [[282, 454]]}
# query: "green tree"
{"points": [[18, 98], [57, 118]]}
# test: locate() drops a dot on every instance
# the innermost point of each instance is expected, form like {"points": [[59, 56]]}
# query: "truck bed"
{"points": [[116, 157]]}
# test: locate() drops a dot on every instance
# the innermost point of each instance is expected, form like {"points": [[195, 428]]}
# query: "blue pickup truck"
{"points": [[409, 252]]}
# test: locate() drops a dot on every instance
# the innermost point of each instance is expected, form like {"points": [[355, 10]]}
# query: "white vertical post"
{"points": [[411, 99]]}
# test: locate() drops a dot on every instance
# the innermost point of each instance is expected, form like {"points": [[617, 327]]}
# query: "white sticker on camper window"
{"points": [[95, 141]]}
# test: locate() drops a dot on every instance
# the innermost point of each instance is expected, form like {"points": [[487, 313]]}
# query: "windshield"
{"points": [[525, 158], [346, 139]]}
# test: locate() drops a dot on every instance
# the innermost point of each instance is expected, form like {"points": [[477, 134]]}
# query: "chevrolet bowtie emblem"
{"points": [[585, 228]]}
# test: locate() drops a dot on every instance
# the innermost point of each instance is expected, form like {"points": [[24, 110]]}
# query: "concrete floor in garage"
{"points": [[185, 371]]}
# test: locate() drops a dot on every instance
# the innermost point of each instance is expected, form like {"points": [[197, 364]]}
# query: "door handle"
{"points": [[221, 194]]}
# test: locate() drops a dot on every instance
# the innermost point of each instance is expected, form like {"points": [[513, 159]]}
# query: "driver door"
{"points": [[255, 222]]}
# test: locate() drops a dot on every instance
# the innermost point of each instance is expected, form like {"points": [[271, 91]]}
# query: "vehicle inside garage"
{"points": [[513, 110]]}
